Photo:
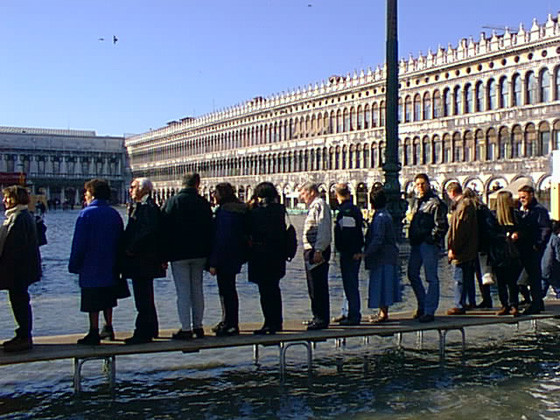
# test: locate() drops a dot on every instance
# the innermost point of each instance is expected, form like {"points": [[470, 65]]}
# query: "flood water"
{"points": [[507, 373]]}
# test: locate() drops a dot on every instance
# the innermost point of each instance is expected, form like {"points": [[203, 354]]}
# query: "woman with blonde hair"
{"points": [[508, 266]]}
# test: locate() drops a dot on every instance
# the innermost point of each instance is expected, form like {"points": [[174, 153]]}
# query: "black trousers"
{"points": [[146, 320], [271, 303], [228, 298], [21, 308], [531, 261], [318, 287], [507, 276]]}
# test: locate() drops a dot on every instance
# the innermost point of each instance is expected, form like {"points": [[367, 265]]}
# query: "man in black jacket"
{"points": [[534, 232], [189, 233], [142, 259], [349, 240], [426, 233]]}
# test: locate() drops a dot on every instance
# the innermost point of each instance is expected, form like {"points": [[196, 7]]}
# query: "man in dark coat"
{"points": [[188, 234], [534, 232], [142, 259]]}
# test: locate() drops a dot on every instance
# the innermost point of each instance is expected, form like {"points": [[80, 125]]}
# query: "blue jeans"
{"points": [[350, 269], [427, 255], [463, 276]]}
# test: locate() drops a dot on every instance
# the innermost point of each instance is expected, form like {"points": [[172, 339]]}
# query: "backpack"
{"points": [[291, 242], [488, 229]]}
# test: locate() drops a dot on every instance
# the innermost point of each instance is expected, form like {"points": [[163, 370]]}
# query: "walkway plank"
{"points": [[64, 347]]}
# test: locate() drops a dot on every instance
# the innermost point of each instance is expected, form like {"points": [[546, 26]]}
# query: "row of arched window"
{"points": [[492, 144], [495, 93]]}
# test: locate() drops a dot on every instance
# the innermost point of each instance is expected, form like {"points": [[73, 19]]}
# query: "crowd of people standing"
{"points": [[188, 237]]}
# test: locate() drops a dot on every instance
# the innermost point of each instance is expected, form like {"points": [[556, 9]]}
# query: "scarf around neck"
{"points": [[11, 215]]}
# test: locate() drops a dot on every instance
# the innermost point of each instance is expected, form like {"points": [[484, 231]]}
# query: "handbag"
{"points": [[290, 241]]}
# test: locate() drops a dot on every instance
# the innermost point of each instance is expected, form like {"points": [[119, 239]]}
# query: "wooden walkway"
{"points": [[295, 333]]}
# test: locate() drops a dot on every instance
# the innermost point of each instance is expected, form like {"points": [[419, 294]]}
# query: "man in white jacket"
{"points": [[317, 236]]}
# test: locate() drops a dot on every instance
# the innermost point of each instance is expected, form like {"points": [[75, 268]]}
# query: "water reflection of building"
{"points": [[58, 162], [484, 113]]}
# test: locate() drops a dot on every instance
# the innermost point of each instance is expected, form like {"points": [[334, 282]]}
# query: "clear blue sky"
{"points": [[177, 58]]}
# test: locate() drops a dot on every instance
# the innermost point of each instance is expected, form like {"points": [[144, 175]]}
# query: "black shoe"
{"points": [[485, 304], [198, 332], [339, 318], [316, 325], [350, 322], [18, 344], [531, 310], [426, 318], [91, 339], [418, 314], [137, 339], [226, 331], [218, 326], [182, 335], [107, 333], [267, 330]]}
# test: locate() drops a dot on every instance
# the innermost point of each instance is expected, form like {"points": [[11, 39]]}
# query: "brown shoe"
{"points": [[503, 311], [456, 311], [514, 312]]}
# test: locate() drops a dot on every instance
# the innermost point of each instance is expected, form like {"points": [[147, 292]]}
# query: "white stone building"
{"points": [[59, 162], [484, 112]]}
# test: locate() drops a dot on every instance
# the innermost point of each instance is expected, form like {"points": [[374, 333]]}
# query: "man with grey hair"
{"points": [[142, 258], [316, 251], [189, 233]]}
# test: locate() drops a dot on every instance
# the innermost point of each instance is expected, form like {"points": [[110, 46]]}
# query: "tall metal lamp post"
{"points": [[396, 205]]}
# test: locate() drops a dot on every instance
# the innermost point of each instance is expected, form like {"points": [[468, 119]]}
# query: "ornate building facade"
{"points": [[57, 163], [485, 113]]}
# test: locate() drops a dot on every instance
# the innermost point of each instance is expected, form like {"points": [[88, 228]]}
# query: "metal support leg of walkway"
{"points": [[442, 335], [109, 369], [283, 349]]}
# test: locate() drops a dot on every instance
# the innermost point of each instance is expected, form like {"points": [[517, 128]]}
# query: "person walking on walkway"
{"points": [[381, 256], [534, 232], [20, 263], [188, 233], [267, 260], [462, 244], [95, 249], [426, 234], [349, 241], [142, 259], [317, 238], [229, 253]]}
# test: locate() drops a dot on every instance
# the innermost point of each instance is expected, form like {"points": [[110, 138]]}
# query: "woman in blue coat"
{"points": [[94, 253], [381, 257], [229, 252]]}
